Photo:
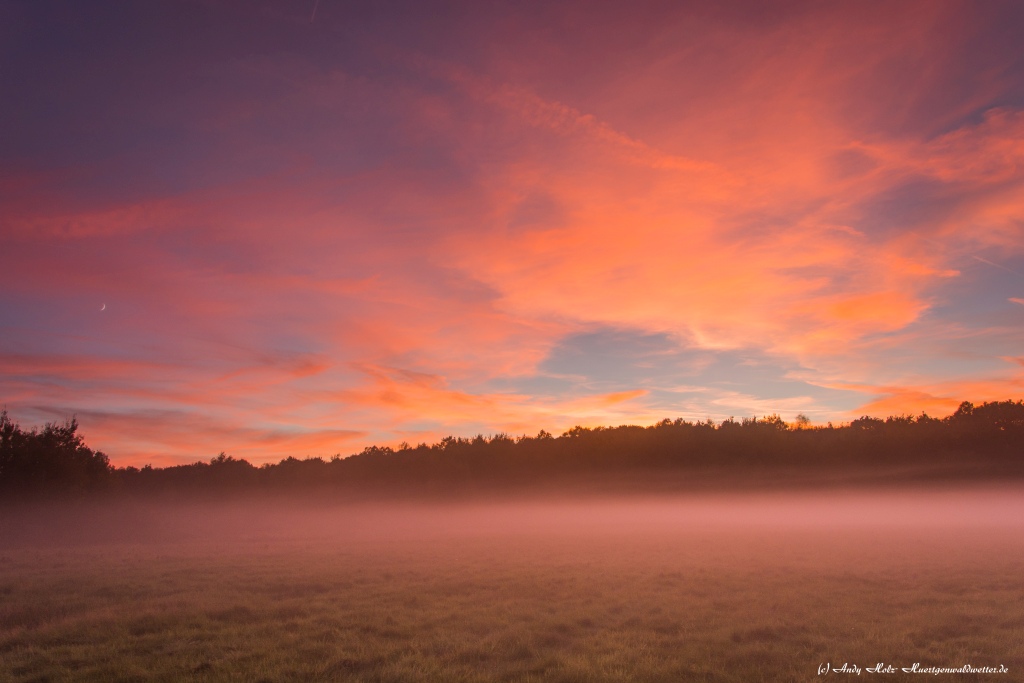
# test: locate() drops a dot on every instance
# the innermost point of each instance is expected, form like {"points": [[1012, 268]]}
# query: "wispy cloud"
{"points": [[321, 246]]}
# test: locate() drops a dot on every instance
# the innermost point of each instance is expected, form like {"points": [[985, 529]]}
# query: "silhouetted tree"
{"points": [[985, 438], [54, 460]]}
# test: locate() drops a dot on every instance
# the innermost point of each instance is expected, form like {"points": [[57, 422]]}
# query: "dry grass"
{"points": [[543, 596]]}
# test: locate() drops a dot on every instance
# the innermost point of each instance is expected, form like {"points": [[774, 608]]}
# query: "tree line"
{"points": [[982, 441]]}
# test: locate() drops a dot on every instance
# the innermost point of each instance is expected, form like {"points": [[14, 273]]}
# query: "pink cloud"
{"points": [[739, 189]]}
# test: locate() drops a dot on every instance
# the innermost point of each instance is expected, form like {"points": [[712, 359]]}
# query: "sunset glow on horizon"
{"points": [[252, 228]]}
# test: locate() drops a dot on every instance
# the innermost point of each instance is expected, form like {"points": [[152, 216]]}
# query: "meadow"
{"points": [[747, 587]]}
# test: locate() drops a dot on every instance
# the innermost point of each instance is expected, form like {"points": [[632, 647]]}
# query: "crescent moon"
{"points": [[103, 307]]}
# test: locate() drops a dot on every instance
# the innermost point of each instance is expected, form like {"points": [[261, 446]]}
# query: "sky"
{"points": [[300, 228]]}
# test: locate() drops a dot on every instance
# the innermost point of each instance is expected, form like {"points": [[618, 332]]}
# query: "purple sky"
{"points": [[228, 227]]}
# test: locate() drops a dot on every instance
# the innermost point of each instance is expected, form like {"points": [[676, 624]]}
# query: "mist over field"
{"points": [[716, 587], [748, 550], [928, 510]]}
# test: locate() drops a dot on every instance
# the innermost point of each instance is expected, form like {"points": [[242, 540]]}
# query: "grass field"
{"points": [[751, 589]]}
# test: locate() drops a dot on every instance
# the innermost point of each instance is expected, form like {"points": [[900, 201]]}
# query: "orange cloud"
{"points": [[163, 438], [381, 253], [937, 399], [666, 249], [910, 402], [620, 396]]}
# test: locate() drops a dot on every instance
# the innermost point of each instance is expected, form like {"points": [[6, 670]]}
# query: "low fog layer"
{"points": [[931, 512], [744, 587]]}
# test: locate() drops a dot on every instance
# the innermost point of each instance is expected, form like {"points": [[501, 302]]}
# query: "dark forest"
{"points": [[975, 443]]}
